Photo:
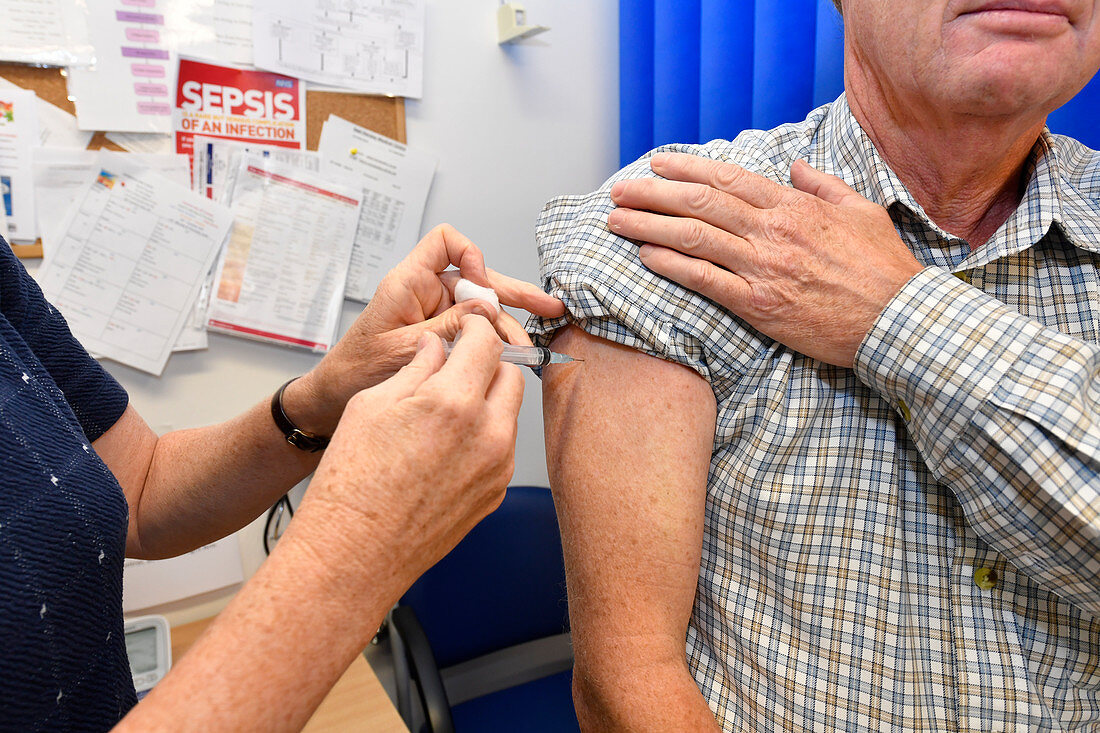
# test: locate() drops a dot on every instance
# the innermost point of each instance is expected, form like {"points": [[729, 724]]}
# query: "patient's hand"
{"points": [[810, 266]]}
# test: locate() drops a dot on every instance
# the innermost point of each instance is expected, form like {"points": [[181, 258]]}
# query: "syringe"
{"points": [[532, 356]]}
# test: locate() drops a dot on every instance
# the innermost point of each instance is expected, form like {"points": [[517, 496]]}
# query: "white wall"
{"points": [[512, 126]]}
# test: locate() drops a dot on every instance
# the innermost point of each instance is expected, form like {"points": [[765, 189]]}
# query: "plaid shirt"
{"points": [[915, 543]]}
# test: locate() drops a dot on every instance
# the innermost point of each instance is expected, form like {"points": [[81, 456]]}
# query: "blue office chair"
{"points": [[484, 634]]}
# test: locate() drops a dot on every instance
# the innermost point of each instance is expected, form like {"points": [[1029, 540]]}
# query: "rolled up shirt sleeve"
{"points": [[606, 289]]}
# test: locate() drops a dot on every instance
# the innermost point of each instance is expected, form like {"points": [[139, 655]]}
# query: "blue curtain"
{"points": [[695, 70], [1078, 117]]}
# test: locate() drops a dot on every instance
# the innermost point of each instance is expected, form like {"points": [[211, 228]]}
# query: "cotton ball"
{"points": [[466, 290]]}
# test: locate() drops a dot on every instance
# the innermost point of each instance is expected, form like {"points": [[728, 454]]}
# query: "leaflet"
{"points": [[18, 136], [395, 182], [217, 161], [129, 89], [254, 107], [130, 264], [369, 46], [282, 276]]}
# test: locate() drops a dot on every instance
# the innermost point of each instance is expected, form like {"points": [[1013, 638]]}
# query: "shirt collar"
{"points": [[846, 151], [1060, 192], [1077, 197]]}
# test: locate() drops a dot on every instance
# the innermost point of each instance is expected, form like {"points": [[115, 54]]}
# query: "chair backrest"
{"points": [[503, 584]]}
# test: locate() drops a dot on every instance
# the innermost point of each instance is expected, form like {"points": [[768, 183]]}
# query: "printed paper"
{"points": [[216, 163], [395, 181], [129, 89], [219, 31], [370, 46], [56, 127], [49, 32], [18, 136], [156, 143], [128, 269], [283, 272], [60, 177]]}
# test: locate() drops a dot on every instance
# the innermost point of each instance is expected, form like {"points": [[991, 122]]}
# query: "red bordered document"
{"points": [[282, 276]]}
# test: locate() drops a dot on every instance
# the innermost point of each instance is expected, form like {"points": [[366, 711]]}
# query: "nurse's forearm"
{"points": [[190, 487], [271, 656]]}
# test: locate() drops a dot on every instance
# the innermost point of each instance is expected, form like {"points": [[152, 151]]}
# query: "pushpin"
{"points": [[354, 151]]}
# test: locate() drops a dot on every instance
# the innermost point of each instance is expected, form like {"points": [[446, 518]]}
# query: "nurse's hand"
{"points": [[415, 298], [417, 461]]}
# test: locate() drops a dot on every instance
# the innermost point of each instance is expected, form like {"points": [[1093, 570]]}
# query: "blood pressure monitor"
{"points": [[149, 649]]}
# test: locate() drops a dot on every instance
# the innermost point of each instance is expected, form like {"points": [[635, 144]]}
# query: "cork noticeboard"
{"points": [[384, 115]]}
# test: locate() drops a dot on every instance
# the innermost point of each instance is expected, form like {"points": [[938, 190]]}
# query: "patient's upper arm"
{"points": [[629, 436], [629, 441]]}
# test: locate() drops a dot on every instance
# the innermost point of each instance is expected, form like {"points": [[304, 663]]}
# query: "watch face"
{"points": [[141, 648]]}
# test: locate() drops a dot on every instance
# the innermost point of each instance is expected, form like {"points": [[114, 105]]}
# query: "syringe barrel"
{"points": [[526, 355]]}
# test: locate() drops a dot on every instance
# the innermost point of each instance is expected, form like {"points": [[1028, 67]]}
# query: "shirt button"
{"points": [[904, 408], [985, 578]]}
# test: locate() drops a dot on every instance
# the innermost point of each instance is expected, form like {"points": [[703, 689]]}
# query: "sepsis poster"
{"points": [[256, 107]]}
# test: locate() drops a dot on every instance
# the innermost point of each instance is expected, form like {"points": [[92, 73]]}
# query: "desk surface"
{"points": [[357, 701]]}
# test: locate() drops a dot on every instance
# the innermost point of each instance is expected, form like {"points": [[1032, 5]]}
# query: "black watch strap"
{"points": [[294, 435]]}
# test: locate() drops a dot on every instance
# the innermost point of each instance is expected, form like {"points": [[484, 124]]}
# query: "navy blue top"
{"points": [[63, 518]]}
